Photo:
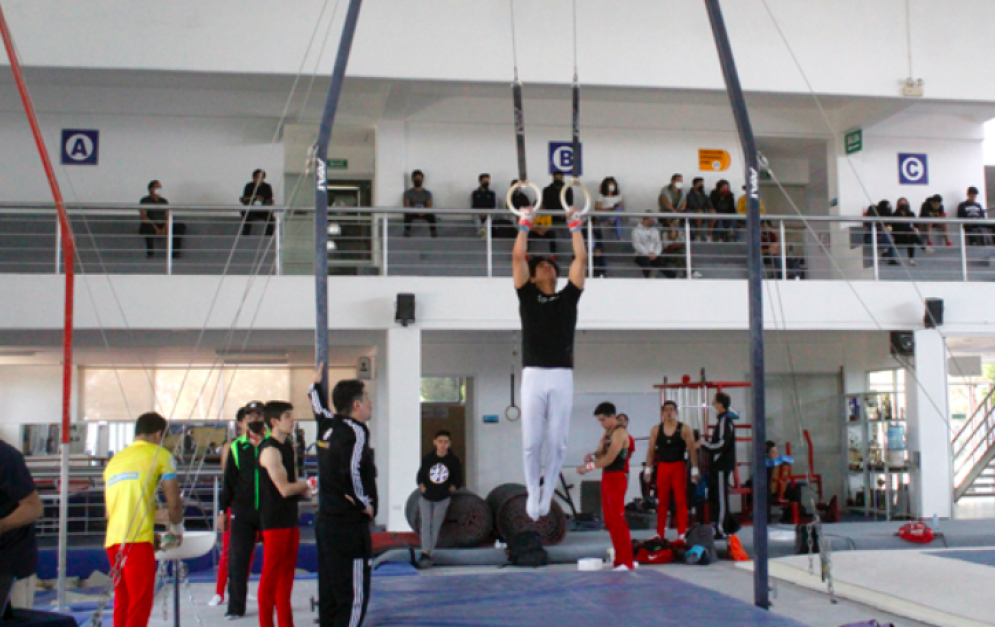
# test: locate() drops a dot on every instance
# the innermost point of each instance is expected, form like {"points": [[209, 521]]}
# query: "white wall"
{"points": [[199, 160], [30, 394], [846, 46]]}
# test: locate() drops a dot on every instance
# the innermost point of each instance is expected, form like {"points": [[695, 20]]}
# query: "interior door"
{"points": [[438, 416]]}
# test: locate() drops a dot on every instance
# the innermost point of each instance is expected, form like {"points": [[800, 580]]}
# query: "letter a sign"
{"points": [[80, 147]]}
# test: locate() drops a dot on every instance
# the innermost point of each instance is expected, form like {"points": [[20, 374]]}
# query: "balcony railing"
{"points": [[211, 240]]}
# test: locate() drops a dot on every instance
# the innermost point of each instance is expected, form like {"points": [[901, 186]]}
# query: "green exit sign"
{"points": [[338, 164], [854, 141]]}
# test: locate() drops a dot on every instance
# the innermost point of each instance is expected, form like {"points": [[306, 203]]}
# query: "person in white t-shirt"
{"points": [[609, 201]]}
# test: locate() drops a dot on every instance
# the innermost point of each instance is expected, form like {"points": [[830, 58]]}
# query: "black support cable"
{"points": [[761, 584], [321, 193]]}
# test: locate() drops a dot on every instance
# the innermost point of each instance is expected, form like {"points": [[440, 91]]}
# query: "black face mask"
{"points": [[257, 426], [558, 182], [418, 182], [485, 185]]}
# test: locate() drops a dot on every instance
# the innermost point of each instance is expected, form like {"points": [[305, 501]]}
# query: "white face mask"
{"points": [[158, 191], [678, 184], [611, 188]]}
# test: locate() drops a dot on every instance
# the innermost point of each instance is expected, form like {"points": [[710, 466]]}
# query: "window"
{"points": [[890, 381], [443, 389]]}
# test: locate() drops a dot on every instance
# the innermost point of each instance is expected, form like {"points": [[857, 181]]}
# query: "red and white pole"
{"points": [[68, 255]]}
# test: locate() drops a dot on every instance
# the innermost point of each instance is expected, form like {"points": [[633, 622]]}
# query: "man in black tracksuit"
{"points": [[722, 447], [347, 502], [240, 498]]}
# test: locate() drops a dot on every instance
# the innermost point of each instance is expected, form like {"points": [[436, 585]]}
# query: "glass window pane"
{"points": [[109, 394], [192, 394], [254, 384], [442, 390]]}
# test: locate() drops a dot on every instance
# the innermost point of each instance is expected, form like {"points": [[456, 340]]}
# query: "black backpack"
{"points": [[525, 549]]}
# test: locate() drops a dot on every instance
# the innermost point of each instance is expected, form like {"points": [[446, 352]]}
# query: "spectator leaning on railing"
{"points": [[906, 233], [699, 202], [419, 198], [970, 209], [257, 193], [724, 203], [155, 222]]}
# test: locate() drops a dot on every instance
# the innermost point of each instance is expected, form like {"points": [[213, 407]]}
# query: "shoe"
{"points": [[929, 242], [407, 234], [930, 250], [623, 568], [481, 233], [695, 274], [892, 262], [232, 616], [912, 262], [250, 597], [424, 562], [532, 506], [949, 243], [217, 599]]}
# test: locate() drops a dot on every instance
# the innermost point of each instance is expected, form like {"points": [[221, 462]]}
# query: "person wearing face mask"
{"points": [[699, 202], [672, 199], [155, 222], [257, 193], [724, 203], [483, 198], [932, 208], [906, 234], [609, 201], [419, 198], [239, 505]]}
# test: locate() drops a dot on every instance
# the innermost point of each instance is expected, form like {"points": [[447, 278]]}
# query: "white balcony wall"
{"points": [[846, 47]]}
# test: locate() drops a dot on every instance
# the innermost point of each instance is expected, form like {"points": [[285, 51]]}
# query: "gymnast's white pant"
{"points": [[547, 401]]}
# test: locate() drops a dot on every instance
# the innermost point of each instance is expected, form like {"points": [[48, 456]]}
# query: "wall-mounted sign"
{"points": [[913, 169], [364, 368], [854, 141], [80, 147], [561, 158], [338, 164], [490, 418], [713, 160]]}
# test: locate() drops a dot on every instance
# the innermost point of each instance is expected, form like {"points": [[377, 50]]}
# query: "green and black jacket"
{"points": [[241, 480]]}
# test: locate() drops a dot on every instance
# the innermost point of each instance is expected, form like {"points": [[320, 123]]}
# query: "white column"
{"points": [[929, 433], [402, 422], [391, 150]]}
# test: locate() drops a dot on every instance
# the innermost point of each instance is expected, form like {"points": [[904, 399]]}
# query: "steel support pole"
{"points": [[321, 193], [761, 585]]}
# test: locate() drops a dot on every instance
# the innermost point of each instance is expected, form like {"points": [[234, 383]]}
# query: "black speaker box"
{"points": [[903, 343], [934, 313], [405, 312]]}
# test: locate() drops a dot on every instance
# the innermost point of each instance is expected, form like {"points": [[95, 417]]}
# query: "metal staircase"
{"points": [[974, 453]]}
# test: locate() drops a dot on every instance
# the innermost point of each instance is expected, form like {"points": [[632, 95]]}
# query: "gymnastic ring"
{"points": [[575, 182], [535, 188], [512, 413]]}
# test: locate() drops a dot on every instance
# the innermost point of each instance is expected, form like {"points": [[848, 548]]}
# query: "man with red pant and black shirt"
{"points": [[239, 506], [279, 492], [347, 502], [611, 457], [669, 442]]}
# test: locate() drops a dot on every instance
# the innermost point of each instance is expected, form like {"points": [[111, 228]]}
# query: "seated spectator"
{"points": [[419, 198], [155, 222], [483, 198], [906, 233], [257, 193], [649, 249], [609, 201], [675, 252], [699, 202], [932, 208], [724, 203], [541, 226], [770, 249], [741, 204], [971, 209], [884, 239], [672, 199]]}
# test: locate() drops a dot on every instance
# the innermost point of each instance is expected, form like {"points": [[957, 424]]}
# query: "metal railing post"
{"points": [[874, 249], [687, 249], [490, 246], [278, 242], [963, 252], [386, 241], [784, 254], [169, 243], [58, 248], [590, 248]]}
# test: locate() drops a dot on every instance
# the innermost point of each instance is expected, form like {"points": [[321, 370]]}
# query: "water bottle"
{"points": [[936, 521]]}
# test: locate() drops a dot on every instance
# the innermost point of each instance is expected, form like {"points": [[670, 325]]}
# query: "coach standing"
{"points": [[20, 507], [347, 502]]}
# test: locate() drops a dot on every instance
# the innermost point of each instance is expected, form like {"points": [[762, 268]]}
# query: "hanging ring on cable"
{"points": [[512, 413], [575, 182], [519, 185]]}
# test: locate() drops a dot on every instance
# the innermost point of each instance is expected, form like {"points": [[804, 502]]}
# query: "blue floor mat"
{"points": [[640, 599], [985, 557]]}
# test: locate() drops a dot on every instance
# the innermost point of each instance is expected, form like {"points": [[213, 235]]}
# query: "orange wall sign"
{"points": [[713, 160]]}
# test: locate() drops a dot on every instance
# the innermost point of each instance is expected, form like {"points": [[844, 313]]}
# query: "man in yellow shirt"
{"points": [[131, 479]]}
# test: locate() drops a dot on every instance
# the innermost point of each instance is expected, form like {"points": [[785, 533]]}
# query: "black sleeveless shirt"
{"points": [[670, 448], [619, 464], [275, 510]]}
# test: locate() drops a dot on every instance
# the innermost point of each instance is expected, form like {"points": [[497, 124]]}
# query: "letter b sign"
{"points": [[561, 158]]}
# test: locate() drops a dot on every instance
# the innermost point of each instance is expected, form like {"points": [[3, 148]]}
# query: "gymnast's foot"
{"points": [[532, 505]]}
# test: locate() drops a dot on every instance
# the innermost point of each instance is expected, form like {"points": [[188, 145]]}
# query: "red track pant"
{"points": [[134, 591], [277, 580], [222, 584], [671, 477], [613, 487]]}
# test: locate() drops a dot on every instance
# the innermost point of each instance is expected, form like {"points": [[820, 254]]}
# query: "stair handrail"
{"points": [[976, 423], [986, 440]]}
